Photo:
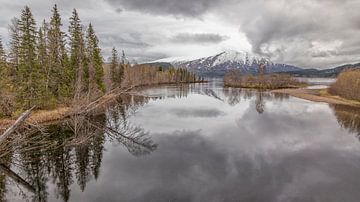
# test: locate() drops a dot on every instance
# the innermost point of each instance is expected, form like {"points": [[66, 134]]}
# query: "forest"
{"points": [[46, 67]]}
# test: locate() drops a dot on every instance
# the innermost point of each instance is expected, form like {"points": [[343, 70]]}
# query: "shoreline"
{"points": [[264, 88], [317, 95], [61, 113]]}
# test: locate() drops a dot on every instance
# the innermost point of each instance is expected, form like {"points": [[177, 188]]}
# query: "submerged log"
{"points": [[7, 171], [16, 125]]}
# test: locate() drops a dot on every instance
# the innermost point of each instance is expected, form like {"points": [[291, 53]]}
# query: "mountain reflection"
{"points": [[235, 95], [72, 151], [232, 96]]}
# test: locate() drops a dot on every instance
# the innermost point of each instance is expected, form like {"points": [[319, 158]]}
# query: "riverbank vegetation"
{"points": [[48, 68], [345, 91], [347, 85], [261, 81]]}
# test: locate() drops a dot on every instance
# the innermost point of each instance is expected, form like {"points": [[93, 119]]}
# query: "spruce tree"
{"points": [[122, 68], [14, 45], [114, 66], [30, 79], [3, 68], [58, 61], [77, 68], [2, 54], [6, 95], [42, 46], [95, 62]]}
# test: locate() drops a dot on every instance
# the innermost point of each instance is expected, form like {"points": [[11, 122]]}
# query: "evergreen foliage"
{"points": [[95, 62], [58, 80], [46, 67], [30, 88]]}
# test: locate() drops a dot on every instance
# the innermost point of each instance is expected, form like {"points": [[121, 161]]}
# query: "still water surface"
{"points": [[198, 142]]}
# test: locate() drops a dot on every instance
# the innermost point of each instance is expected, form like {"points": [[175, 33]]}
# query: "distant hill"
{"points": [[333, 72]]}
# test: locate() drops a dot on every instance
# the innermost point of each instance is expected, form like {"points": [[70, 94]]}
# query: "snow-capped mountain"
{"points": [[219, 64]]}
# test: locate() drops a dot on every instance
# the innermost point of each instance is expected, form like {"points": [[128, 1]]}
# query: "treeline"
{"points": [[347, 85], [47, 67], [123, 74], [142, 75]]}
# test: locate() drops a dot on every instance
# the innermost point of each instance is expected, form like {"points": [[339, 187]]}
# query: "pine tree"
{"points": [[95, 62], [29, 76], [58, 61]]}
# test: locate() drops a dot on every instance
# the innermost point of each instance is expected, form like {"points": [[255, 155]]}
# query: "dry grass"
{"points": [[38, 117], [347, 85]]}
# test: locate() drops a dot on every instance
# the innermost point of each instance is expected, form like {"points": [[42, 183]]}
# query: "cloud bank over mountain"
{"points": [[314, 33]]}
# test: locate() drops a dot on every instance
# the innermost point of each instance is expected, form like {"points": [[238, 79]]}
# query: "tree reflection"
{"points": [[60, 161], [73, 150], [348, 117], [5, 161], [134, 138], [259, 102], [235, 95], [34, 166]]}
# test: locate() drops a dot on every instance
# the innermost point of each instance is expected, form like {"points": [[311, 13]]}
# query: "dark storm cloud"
{"points": [[313, 33], [202, 38], [109, 40], [282, 30], [302, 32], [191, 8]]}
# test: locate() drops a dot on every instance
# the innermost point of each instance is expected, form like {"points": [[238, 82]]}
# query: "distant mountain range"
{"points": [[218, 65], [332, 72]]}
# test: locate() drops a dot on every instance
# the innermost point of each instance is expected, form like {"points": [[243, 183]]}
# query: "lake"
{"points": [[198, 142]]}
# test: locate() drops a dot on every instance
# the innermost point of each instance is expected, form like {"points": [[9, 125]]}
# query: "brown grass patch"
{"points": [[347, 85]]}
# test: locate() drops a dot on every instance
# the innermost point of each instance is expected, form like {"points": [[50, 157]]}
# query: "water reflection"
{"points": [[198, 142], [71, 151], [348, 117]]}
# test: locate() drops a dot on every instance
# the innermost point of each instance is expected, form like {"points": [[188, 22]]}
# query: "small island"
{"points": [[261, 80]]}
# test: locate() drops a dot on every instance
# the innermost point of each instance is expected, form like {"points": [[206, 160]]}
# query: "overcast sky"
{"points": [[311, 33]]}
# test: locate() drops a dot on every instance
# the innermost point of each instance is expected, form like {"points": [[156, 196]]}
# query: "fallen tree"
{"points": [[16, 125]]}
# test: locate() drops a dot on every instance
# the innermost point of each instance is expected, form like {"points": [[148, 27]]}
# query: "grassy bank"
{"points": [[60, 113], [318, 95]]}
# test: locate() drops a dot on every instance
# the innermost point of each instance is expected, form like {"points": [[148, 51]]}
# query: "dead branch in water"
{"points": [[16, 125], [81, 109], [7, 171]]}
